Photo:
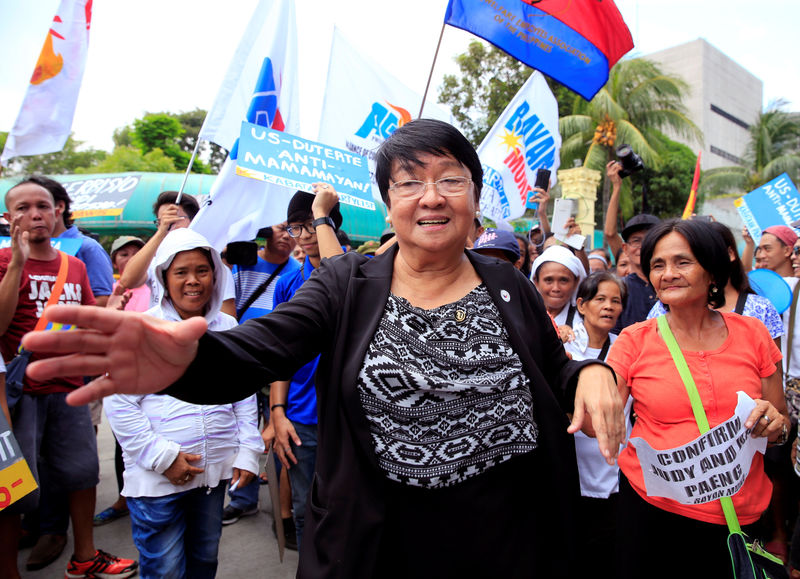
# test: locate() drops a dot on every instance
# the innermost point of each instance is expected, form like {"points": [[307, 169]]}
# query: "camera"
{"points": [[242, 253], [630, 161]]}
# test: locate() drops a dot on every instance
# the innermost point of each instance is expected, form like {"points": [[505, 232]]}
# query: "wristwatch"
{"points": [[323, 221]]}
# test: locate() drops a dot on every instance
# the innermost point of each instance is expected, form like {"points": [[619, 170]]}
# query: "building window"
{"points": [[726, 155], [730, 117]]}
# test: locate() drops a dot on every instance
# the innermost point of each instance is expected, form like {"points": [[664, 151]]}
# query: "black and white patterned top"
{"points": [[444, 392]]}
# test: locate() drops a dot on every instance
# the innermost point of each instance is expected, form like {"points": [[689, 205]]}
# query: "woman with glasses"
{"points": [[444, 447]]}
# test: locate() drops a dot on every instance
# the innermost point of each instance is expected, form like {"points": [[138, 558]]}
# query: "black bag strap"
{"points": [[571, 315], [260, 289], [604, 351], [740, 302]]}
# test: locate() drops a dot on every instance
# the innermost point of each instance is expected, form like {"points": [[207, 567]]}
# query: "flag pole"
{"points": [[188, 170], [430, 74]]}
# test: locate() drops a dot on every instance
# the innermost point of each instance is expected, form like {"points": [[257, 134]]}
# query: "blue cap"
{"points": [[498, 239]]}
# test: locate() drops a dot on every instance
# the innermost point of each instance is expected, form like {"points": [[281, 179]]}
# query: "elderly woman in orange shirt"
{"points": [[687, 264]]}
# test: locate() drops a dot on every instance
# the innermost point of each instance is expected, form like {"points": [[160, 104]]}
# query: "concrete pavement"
{"points": [[248, 548]]}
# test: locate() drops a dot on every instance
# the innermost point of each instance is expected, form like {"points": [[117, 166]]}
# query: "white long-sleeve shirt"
{"points": [[153, 429]]}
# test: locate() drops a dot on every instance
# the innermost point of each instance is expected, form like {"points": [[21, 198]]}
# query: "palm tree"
{"points": [[635, 105], [774, 148]]}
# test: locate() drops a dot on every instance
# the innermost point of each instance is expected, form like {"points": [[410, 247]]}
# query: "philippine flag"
{"points": [[261, 87]]}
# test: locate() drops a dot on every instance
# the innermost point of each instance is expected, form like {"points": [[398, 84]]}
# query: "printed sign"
{"points": [[712, 466], [69, 245], [283, 159], [774, 203], [16, 479], [100, 195]]}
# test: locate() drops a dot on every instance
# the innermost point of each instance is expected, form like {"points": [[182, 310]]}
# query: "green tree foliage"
{"points": [[489, 78], [62, 162], [638, 102], [162, 131], [774, 148], [192, 122], [669, 185], [128, 158]]}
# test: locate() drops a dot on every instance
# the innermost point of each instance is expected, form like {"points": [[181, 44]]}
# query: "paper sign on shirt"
{"points": [[16, 479], [712, 466]]}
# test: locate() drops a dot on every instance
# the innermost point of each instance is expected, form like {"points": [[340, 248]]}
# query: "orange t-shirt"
{"points": [[664, 413]]}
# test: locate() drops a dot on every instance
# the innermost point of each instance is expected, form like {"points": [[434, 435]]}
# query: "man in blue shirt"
{"points": [[313, 221]]}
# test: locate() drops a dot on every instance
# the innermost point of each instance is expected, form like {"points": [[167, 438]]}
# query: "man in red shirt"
{"points": [[56, 439]]}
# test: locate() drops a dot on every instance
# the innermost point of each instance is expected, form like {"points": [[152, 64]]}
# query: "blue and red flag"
{"points": [[575, 42]]}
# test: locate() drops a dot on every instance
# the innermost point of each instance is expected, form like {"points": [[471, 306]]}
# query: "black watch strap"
{"points": [[323, 221]]}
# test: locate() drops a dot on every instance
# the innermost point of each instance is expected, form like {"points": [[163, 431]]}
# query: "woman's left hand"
{"points": [[599, 410], [243, 477], [765, 420]]}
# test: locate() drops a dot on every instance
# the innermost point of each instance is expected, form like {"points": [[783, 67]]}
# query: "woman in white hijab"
{"points": [[180, 457], [557, 273]]}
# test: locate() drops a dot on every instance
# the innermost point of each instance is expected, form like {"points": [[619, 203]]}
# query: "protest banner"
{"points": [[774, 203], [283, 159], [68, 245], [261, 86], [712, 466], [16, 478], [360, 120], [100, 196], [44, 121], [524, 138]]}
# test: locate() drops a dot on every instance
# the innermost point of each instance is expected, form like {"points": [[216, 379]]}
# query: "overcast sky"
{"points": [[171, 55]]}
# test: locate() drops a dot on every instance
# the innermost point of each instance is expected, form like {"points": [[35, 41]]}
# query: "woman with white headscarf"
{"points": [[557, 273], [180, 457]]}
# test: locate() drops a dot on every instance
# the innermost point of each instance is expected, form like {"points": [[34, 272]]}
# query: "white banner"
{"points": [[45, 119], [712, 466], [364, 104], [260, 87], [525, 138]]}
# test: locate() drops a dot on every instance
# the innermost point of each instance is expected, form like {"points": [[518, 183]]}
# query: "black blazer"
{"points": [[336, 313]]}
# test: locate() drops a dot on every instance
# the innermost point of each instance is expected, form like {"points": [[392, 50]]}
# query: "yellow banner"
{"points": [[16, 481]]}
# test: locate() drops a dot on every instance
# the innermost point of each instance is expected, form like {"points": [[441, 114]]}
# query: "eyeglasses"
{"points": [[446, 187], [636, 242], [297, 230], [796, 250], [158, 221]]}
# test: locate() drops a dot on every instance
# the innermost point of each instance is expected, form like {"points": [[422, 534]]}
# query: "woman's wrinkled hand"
{"points": [[599, 410]]}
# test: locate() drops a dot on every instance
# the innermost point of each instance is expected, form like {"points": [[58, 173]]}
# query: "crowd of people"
{"points": [[451, 401]]}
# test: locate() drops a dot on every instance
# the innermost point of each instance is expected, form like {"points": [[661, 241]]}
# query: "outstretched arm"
{"points": [[610, 233]]}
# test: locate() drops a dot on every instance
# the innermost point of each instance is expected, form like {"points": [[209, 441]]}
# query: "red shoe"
{"points": [[101, 566]]}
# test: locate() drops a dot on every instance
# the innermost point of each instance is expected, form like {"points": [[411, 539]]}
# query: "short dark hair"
{"points": [[425, 136], [526, 255], [589, 286], [56, 190], [706, 244], [189, 203], [343, 238]]}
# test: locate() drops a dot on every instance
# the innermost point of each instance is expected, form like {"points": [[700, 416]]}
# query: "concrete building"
{"points": [[724, 99]]}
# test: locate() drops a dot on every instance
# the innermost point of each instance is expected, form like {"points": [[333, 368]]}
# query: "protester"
{"points": [[170, 216], [498, 243], [57, 440], [524, 262], [601, 297], [622, 264], [557, 274], [598, 260], [313, 220], [49, 523], [255, 296], [424, 334], [688, 264], [774, 251], [180, 457]]}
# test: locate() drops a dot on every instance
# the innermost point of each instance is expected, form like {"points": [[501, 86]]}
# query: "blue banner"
{"points": [[70, 246], [283, 159], [774, 203], [536, 38]]}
